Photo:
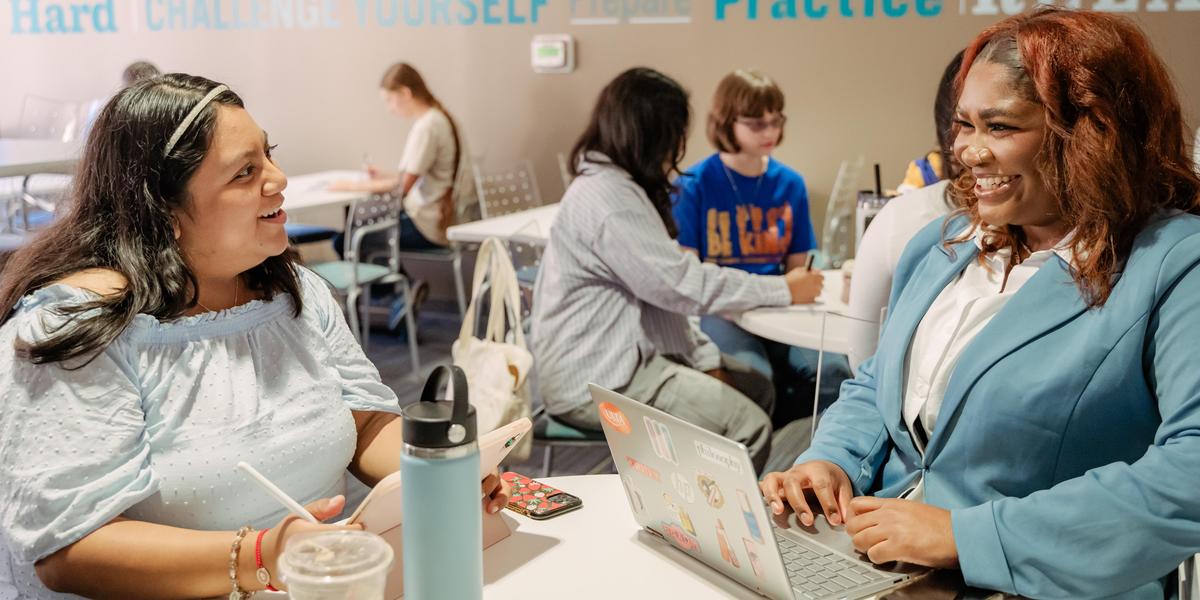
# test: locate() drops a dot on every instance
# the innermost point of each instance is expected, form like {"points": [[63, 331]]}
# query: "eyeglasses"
{"points": [[759, 125]]}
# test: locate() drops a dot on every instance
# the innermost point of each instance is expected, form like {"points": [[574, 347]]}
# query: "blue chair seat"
{"points": [[341, 274], [526, 276], [300, 233], [547, 427]]}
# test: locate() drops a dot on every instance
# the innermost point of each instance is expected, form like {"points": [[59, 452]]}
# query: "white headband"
{"points": [[191, 116]]}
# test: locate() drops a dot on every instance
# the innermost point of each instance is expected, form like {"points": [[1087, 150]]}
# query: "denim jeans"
{"points": [[793, 370], [374, 243]]}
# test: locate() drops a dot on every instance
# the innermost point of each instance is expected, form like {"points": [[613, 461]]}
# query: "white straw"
{"points": [[283, 498]]}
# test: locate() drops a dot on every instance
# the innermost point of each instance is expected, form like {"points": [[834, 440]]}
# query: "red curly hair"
{"points": [[1114, 153]]}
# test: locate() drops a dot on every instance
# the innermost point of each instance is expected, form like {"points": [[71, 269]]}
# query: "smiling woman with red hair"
{"points": [[1034, 389]]}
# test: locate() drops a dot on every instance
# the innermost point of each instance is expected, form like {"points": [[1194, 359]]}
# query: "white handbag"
{"points": [[498, 365]]}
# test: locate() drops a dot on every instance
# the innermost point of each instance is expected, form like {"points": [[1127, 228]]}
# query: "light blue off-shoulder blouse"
{"points": [[154, 427]]}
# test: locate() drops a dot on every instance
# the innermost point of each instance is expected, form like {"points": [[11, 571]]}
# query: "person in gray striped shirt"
{"points": [[615, 291]]}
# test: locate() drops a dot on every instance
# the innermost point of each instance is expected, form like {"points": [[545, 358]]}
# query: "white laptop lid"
{"points": [[695, 489]]}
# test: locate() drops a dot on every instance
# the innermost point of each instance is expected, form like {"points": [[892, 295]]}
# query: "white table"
{"points": [[311, 190], [531, 224], [20, 157], [800, 325], [600, 552]]}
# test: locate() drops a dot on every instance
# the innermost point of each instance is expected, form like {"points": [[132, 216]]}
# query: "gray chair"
{"points": [[509, 191], [351, 276]]}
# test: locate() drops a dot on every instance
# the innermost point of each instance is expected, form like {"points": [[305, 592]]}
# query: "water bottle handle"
{"points": [[461, 402]]}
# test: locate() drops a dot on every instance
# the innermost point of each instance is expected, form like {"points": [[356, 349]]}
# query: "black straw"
{"points": [[878, 184]]}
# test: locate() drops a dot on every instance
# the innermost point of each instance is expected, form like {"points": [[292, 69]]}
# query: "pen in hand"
{"points": [[277, 493], [808, 263]]}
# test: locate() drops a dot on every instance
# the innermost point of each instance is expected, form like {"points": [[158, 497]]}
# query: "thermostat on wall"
{"points": [[553, 53]]}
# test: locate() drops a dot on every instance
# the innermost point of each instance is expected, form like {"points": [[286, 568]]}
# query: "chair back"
{"points": [[837, 236], [48, 119], [526, 248], [505, 192], [377, 212]]}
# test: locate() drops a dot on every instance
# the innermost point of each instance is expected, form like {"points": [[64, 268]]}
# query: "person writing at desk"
{"points": [[156, 335], [614, 291], [742, 209], [434, 159], [1032, 414]]}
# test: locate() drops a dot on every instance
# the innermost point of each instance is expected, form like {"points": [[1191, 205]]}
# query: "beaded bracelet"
{"points": [[237, 593]]}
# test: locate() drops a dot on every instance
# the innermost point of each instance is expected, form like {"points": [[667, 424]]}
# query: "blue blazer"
{"points": [[1068, 443]]}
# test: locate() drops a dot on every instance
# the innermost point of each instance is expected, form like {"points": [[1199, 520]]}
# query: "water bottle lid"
{"points": [[433, 423]]}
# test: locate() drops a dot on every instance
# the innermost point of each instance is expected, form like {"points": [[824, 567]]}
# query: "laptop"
{"points": [[698, 492]]}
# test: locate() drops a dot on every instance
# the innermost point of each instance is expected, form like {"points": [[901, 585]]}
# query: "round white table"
{"points": [[801, 324]]}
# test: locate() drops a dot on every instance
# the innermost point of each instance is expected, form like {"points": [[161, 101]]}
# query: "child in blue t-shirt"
{"points": [[740, 208]]}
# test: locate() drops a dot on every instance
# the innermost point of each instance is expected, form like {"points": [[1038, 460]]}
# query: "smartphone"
{"points": [[537, 500]]}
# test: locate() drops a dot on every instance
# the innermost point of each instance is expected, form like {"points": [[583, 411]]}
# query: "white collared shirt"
{"points": [[960, 312]]}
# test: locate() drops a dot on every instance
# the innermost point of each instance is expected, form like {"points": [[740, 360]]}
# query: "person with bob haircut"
{"points": [[743, 209], [156, 335], [615, 291], [1032, 415]]}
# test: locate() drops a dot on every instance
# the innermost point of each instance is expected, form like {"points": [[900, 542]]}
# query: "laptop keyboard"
{"points": [[816, 572]]}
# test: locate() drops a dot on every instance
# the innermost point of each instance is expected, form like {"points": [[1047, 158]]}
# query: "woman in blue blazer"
{"points": [[1032, 413]]}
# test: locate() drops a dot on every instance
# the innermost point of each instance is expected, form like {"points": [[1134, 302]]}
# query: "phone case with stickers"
{"points": [[537, 500]]}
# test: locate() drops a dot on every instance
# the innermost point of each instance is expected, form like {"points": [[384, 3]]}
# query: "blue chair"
{"points": [[349, 277], [552, 433], [299, 233]]}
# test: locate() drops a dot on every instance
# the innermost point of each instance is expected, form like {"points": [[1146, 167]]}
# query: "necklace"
{"points": [[733, 184], [236, 284]]}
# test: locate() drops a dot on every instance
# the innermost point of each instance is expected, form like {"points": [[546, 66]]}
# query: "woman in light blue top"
{"points": [[154, 337]]}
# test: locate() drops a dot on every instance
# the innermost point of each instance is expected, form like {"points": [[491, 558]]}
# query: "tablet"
{"points": [[381, 511], [378, 515]]}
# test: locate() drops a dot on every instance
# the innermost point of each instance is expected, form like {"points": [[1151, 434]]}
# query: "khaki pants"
{"points": [[739, 412]]}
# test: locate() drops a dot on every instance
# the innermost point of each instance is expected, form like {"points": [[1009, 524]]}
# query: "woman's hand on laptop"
{"points": [[496, 493], [826, 481], [892, 529]]}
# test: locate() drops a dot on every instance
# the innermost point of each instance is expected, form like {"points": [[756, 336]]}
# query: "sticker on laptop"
{"points": [[680, 538], [643, 469], [660, 440], [684, 518], [615, 418], [686, 492], [709, 489], [718, 457], [752, 558], [727, 553], [751, 522], [635, 497]]}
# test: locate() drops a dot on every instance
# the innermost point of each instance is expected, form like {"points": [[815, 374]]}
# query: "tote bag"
{"points": [[498, 364]]}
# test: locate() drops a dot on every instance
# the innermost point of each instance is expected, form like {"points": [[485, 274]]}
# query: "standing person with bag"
{"points": [[497, 365], [615, 291], [434, 159]]}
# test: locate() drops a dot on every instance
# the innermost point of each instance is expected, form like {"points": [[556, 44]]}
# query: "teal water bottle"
{"points": [[443, 519]]}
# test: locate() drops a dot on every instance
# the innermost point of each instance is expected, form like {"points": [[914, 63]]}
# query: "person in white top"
{"points": [[890, 231], [434, 160]]}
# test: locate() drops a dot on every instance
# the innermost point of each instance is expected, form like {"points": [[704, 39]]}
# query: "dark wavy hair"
{"points": [[119, 218], [1114, 152], [640, 123]]}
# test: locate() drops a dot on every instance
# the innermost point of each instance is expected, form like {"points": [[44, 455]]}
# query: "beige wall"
{"points": [[854, 86]]}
